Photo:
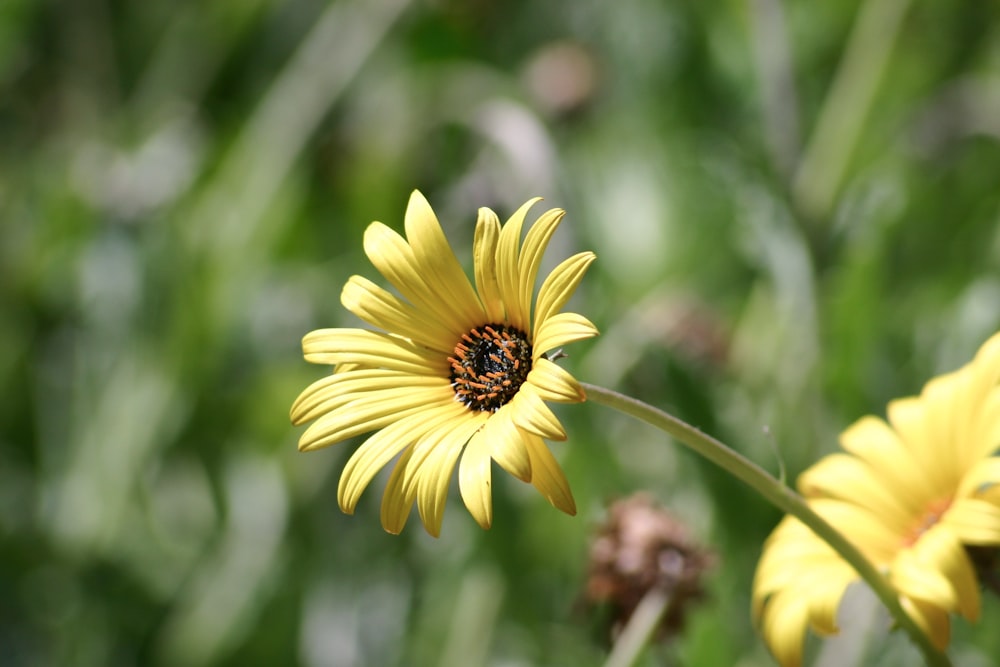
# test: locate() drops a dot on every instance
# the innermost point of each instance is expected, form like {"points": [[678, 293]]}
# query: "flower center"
{"points": [[935, 510], [489, 365]]}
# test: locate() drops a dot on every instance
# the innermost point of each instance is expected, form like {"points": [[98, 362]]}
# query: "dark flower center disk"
{"points": [[489, 365]]}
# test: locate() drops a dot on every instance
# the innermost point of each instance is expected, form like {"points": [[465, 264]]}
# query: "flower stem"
{"points": [[780, 496], [639, 629]]}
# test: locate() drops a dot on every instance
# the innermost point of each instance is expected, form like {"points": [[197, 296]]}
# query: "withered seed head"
{"points": [[639, 547]]}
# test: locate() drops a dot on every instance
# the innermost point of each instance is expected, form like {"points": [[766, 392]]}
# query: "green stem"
{"points": [[779, 495], [639, 629]]}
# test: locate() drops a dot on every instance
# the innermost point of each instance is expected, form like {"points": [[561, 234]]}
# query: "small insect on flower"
{"points": [[451, 371]]}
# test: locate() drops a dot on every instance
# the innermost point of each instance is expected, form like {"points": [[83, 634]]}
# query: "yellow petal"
{"points": [[548, 477], [333, 391], [982, 396], [848, 478], [982, 480], [559, 285], [484, 252], [475, 479], [919, 431], [986, 429], [397, 501], [974, 521], [783, 625], [872, 440], [368, 413], [506, 443], [384, 310], [430, 469], [530, 414], [535, 242], [923, 581], [508, 279], [392, 256], [372, 349], [937, 570], [560, 330], [437, 263], [553, 383], [864, 528], [380, 448], [932, 620]]}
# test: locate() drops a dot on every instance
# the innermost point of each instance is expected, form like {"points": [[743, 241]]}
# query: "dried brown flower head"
{"points": [[640, 547]]}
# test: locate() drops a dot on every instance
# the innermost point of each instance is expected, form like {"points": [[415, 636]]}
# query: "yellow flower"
{"points": [[911, 494], [453, 371]]}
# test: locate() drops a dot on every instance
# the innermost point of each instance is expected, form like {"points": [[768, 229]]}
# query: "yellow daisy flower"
{"points": [[911, 494], [453, 371]]}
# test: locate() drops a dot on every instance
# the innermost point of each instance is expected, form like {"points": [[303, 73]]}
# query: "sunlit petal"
{"points": [[430, 469], [382, 447], [560, 285], [532, 415], [437, 262], [506, 443], [562, 329], [397, 501], [394, 258], [535, 243], [484, 251], [547, 476], [475, 480], [554, 383], [382, 309], [372, 349], [508, 256], [368, 412]]}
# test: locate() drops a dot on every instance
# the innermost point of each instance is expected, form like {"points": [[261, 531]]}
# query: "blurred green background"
{"points": [[795, 209]]}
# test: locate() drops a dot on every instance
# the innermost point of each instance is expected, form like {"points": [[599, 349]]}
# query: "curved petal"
{"points": [[381, 309], [910, 419], [932, 620], [911, 576], [369, 413], [394, 258], [561, 329], [484, 254], [982, 480], [783, 625], [986, 429], [848, 478], [554, 383], [372, 349], [437, 262], [560, 285], [508, 253], [861, 526], [429, 471], [397, 501], [338, 389], [547, 476], [530, 414], [505, 443], [535, 243], [379, 449], [475, 480], [974, 521], [872, 440], [937, 570]]}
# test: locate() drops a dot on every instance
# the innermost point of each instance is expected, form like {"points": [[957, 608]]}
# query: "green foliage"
{"points": [[183, 190]]}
